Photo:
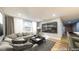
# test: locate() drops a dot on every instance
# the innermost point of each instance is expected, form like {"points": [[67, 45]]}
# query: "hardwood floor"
{"points": [[61, 45]]}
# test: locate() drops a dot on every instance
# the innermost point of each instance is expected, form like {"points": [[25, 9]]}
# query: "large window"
{"points": [[27, 25], [1, 24], [22, 25]]}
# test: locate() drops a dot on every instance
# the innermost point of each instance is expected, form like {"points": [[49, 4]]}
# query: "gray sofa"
{"points": [[11, 37], [15, 42], [7, 44]]}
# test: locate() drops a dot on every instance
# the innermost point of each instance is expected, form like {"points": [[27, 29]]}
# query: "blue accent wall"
{"points": [[77, 27]]}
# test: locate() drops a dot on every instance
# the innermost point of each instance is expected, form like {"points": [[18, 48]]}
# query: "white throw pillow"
{"points": [[8, 39]]}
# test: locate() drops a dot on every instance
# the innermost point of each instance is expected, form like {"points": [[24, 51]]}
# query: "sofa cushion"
{"points": [[25, 34], [4, 46], [22, 46], [19, 35], [12, 36], [7, 39], [28, 44], [19, 40]]}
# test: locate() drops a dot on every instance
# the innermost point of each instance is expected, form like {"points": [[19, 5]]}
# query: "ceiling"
{"points": [[42, 13]]}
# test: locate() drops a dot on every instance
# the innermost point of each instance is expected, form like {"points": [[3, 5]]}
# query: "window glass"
{"points": [[1, 24], [27, 25]]}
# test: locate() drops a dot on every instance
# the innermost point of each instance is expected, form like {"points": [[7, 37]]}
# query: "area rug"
{"points": [[46, 46]]}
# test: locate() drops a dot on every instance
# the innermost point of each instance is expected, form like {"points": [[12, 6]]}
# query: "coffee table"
{"points": [[37, 40]]}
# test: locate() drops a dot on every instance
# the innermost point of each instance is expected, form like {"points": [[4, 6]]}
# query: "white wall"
{"points": [[18, 25], [58, 35]]}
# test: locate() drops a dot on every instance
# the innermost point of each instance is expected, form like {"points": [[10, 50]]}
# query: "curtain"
{"points": [[9, 25]]}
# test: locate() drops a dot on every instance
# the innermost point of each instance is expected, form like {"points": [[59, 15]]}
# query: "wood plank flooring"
{"points": [[61, 45]]}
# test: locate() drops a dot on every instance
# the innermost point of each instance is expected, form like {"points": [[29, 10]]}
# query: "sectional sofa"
{"points": [[19, 41], [23, 42]]}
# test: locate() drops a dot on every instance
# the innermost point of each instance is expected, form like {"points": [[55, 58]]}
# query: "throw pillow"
{"points": [[19, 34], [8, 40], [25, 34], [12, 36]]}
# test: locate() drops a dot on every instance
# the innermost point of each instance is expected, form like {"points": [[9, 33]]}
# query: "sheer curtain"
{"points": [[9, 25]]}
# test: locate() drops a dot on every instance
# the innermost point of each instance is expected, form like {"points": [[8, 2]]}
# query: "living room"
{"points": [[36, 28]]}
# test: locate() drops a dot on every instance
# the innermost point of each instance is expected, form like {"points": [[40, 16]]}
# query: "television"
{"points": [[1, 24], [50, 27]]}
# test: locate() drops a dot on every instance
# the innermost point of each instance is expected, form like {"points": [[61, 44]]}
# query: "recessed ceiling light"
{"points": [[53, 15]]}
